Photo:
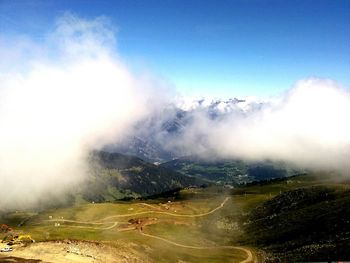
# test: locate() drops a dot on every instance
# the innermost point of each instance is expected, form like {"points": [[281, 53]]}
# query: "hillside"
{"points": [[153, 139], [114, 176], [307, 224], [296, 219], [232, 172]]}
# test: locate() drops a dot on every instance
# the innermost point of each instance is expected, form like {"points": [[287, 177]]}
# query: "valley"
{"points": [[168, 231], [174, 131], [212, 224]]}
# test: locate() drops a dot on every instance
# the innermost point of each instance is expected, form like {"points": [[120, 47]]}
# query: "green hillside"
{"points": [[297, 219], [115, 176], [307, 224], [233, 172]]}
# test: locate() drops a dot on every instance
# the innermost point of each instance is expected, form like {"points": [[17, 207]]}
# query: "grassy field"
{"points": [[299, 219], [160, 229], [180, 221]]}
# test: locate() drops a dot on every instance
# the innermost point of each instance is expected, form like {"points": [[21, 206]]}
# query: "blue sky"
{"points": [[217, 48]]}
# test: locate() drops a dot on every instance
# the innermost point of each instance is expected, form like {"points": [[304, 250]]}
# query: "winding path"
{"points": [[100, 222], [97, 228], [249, 258], [75, 221], [168, 213], [247, 251]]}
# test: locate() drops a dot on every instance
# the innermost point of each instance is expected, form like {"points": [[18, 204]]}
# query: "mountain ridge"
{"points": [[114, 176]]}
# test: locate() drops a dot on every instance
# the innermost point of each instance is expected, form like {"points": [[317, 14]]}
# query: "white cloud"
{"points": [[73, 93], [307, 125], [61, 106]]}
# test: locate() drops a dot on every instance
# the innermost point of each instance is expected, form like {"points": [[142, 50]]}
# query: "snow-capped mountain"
{"points": [[219, 106], [151, 138]]}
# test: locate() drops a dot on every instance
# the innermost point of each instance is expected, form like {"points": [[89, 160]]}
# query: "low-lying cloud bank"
{"points": [[73, 93], [74, 96], [308, 125]]}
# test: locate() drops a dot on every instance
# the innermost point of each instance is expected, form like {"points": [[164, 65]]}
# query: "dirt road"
{"points": [[75, 252], [247, 251], [105, 221], [168, 213]]}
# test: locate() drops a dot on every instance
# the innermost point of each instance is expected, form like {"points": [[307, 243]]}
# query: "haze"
{"points": [[73, 93]]}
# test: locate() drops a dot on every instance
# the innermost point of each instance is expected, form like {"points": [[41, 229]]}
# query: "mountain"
{"points": [[144, 148], [160, 138], [114, 176], [231, 172], [216, 107], [153, 138], [304, 224]]}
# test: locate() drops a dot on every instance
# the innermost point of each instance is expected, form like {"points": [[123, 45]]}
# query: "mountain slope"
{"points": [[231, 172], [155, 139], [305, 224], [115, 176]]}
